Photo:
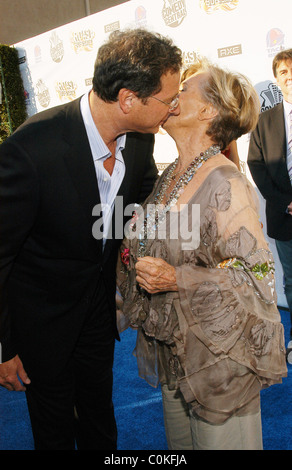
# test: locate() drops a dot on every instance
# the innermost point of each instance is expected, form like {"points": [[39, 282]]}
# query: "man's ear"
{"points": [[126, 99], [207, 112]]}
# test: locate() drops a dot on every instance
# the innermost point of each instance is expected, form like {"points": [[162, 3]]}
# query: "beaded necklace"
{"points": [[157, 211]]}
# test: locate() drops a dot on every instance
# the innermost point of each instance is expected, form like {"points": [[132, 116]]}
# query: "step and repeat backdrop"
{"points": [[239, 35]]}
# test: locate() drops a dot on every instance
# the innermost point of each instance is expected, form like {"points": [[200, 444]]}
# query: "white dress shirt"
{"points": [[108, 185], [287, 110]]}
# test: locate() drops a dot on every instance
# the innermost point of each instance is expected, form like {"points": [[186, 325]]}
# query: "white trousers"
{"points": [[186, 432]]}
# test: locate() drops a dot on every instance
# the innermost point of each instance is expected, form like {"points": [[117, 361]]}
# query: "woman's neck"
{"points": [[191, 146]]}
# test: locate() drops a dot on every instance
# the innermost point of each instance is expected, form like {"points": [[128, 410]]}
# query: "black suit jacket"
{"points": [[50, 263], [267, 163]]}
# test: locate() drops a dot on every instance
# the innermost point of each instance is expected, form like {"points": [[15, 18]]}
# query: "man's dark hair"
{"points": [[281, 57], [134, 59]]}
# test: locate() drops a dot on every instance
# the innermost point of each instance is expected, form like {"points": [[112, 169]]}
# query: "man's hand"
{"points": [[155, 275], [9, 373], [289, 208]]}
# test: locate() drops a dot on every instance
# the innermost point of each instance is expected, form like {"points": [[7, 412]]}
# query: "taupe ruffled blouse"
{"points": [[219, 339]]}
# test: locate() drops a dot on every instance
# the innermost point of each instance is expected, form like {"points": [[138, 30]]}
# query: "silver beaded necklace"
{"points": [[157, 211]]}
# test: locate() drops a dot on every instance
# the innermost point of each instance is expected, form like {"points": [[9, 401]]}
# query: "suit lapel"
{"points": [[278, 138], [128, 153], [79, 160], [279, 128]]}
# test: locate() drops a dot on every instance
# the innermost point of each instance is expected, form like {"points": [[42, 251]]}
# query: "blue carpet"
{"points": [[139, 408]]}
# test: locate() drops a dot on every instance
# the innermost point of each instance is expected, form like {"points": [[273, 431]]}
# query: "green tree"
{"points": [[12, 106]]}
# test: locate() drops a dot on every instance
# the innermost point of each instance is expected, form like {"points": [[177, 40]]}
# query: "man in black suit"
{"points": [[57, 274], [270, 163]]}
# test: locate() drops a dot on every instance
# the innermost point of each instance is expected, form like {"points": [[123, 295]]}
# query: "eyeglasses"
{"points": [[172, 105]]}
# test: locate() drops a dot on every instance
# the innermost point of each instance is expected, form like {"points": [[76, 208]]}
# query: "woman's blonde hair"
{"points": [[233, 96]]}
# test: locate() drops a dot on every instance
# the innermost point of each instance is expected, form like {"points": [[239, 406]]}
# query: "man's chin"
{"points": [[167, 122]]}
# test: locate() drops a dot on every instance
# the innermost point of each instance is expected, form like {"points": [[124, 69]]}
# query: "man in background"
{"points": [[270, 163]]}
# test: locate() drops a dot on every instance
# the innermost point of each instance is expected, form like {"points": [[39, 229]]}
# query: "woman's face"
{"points": [[191, 104]]}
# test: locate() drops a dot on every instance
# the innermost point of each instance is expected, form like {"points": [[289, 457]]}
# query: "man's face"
{"points": [[284, 79], [191, 103], [150, 116]]}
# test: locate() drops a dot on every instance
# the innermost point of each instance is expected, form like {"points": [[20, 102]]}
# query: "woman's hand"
{"points": [[155, 275]]}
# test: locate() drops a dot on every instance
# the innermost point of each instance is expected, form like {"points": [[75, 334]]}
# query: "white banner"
{"points": [[241, 35]]}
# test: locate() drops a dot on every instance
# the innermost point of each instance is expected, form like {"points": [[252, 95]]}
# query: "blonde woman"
{"points": [[208, 326]]}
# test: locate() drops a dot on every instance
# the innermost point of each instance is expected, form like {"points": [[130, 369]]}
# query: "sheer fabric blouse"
{"points": [[219, 338]]}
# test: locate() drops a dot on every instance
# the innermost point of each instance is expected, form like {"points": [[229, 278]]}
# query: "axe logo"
{"points": [[229, 50]]}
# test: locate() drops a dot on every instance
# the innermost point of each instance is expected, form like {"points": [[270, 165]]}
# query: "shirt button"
{"points": [[105, 179]]}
